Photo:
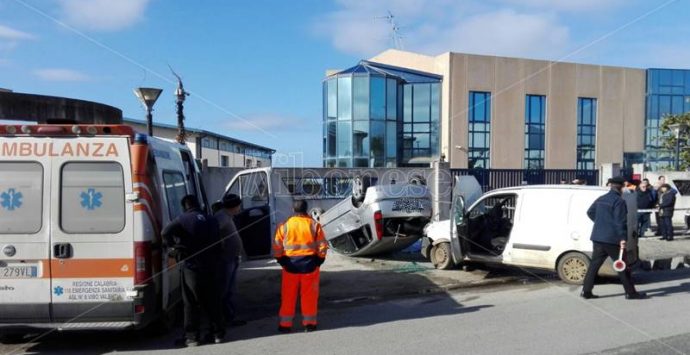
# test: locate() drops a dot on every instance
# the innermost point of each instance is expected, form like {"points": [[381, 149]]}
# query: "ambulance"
{"points": [[81, 211]]}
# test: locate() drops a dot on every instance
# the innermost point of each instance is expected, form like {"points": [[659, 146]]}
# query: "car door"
{"points": [[24, 234], [91, 246], [254, 220]]}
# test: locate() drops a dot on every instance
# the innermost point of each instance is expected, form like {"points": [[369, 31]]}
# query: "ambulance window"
{"points": [[175, 190], [92, 198], [21, 198]]}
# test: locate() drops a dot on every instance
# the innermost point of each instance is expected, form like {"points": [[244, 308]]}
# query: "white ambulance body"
{"points": [[81, 210]]}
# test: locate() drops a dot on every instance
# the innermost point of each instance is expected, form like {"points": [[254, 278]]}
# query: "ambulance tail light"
{"points": [[378, 222], [142, 263]]}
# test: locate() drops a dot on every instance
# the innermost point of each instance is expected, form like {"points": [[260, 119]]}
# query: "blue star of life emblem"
{"points": [[90, 199], [11, 199], [58, 291]]}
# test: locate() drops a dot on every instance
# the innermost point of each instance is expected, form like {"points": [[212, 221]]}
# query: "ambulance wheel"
{"points": [[441, 257], [360, 184], [572, 268]]}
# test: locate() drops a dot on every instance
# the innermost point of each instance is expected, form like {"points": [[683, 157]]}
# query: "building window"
{"points": [[586, 133], [208, 142], [420, 129], [479, 130], [224, 160], [668, 93], [535, 128]]}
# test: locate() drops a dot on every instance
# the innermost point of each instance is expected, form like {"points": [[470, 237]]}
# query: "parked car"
{"points": [[541, 226]]}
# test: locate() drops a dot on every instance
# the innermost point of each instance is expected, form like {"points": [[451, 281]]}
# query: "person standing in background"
{"points": [[230, 260], [667, 201], [645, 200]]}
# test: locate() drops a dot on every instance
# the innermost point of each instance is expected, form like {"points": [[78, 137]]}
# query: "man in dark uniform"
{"points": [[196, 241], [609, 234]]}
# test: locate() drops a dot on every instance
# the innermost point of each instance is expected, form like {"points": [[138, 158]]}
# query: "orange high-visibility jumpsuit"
{"points": [[299, 238]]}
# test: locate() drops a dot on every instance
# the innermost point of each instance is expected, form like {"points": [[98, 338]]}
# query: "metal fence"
{"points": [[491, 179]]}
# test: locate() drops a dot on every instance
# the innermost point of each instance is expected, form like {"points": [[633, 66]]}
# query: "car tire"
{"points": [[316, 213], [417, 179], [441, 256], [360, 184], [572, 268]]}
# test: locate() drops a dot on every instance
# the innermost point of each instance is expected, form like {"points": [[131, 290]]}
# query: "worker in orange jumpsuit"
{"points": [[300, 248]]}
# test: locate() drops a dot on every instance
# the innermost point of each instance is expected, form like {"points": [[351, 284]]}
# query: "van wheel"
{"points": [[417, 179], [572, 268], [440, 256]]}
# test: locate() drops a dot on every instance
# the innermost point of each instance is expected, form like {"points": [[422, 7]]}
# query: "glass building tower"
{"points": [[380, 116]]}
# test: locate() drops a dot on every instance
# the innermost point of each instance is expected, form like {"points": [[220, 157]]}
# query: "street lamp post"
{"points": [[148, 97], [678, 129]]}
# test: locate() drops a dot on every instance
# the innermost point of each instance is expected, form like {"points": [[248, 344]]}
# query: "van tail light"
{"points": [[142, 263], [378, 222], [139, 308]]}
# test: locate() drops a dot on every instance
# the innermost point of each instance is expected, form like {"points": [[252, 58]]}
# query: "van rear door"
{"points": [[92, 245], [24, 234]]}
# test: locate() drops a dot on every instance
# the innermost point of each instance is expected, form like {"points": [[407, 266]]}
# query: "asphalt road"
{"points": [[537, 317]]}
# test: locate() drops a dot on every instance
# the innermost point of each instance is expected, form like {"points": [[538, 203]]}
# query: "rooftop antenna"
{"points": [[394, 28]]}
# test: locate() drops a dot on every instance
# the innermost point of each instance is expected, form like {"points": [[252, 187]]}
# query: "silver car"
{"points": [[378, 219]]}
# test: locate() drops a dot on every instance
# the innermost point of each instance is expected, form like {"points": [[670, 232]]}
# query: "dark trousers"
{"points": [[600, 252], [643, 223], [658, 223], [200, 295], [666, 226], [228, 287]]}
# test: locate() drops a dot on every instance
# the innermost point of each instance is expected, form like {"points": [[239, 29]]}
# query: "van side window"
{"points": [[21, 198], [254, 190], [175, 190], [92, 198]]}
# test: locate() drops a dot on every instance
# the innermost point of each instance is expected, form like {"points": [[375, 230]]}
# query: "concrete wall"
{"points": [[620, 94]]}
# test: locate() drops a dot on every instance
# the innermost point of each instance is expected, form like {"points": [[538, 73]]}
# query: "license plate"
{"points": [[408, 205], [18, 272]]}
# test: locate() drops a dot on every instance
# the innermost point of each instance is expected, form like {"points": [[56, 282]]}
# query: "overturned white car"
{"points": [[378, 219]]}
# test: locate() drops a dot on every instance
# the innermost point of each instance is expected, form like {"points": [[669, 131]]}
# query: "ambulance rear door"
{"points": [[24, 233], [92, 244]]}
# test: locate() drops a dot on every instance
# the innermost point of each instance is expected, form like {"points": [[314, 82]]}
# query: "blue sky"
{"points": [[255, 67]]}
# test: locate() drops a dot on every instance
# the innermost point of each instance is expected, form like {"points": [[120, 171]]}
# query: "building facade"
{"points": [[216, 149], [480, 111]]}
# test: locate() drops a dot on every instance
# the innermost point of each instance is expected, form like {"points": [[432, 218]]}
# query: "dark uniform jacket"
{"points": [[667, 201], [198, 236], [610, 215]]}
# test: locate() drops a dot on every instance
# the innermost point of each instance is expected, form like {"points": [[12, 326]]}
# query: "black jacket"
{"points": [[667, 201], [198, 237], [645, 199], [610, 215]]}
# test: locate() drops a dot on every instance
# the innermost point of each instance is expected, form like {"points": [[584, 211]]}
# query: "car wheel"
{"points": [[360, 184], [417, 179], [441, 257], [316, 213], [572, 268]]}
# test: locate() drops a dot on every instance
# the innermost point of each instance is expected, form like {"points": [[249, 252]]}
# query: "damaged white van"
{"points": [[541, 226]]}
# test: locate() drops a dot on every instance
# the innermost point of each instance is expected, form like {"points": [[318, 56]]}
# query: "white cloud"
{"points": [[11, 34], [59, 74], [433, 27], [503, 32], [102, 15], [564, 5], [261, 122]]}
